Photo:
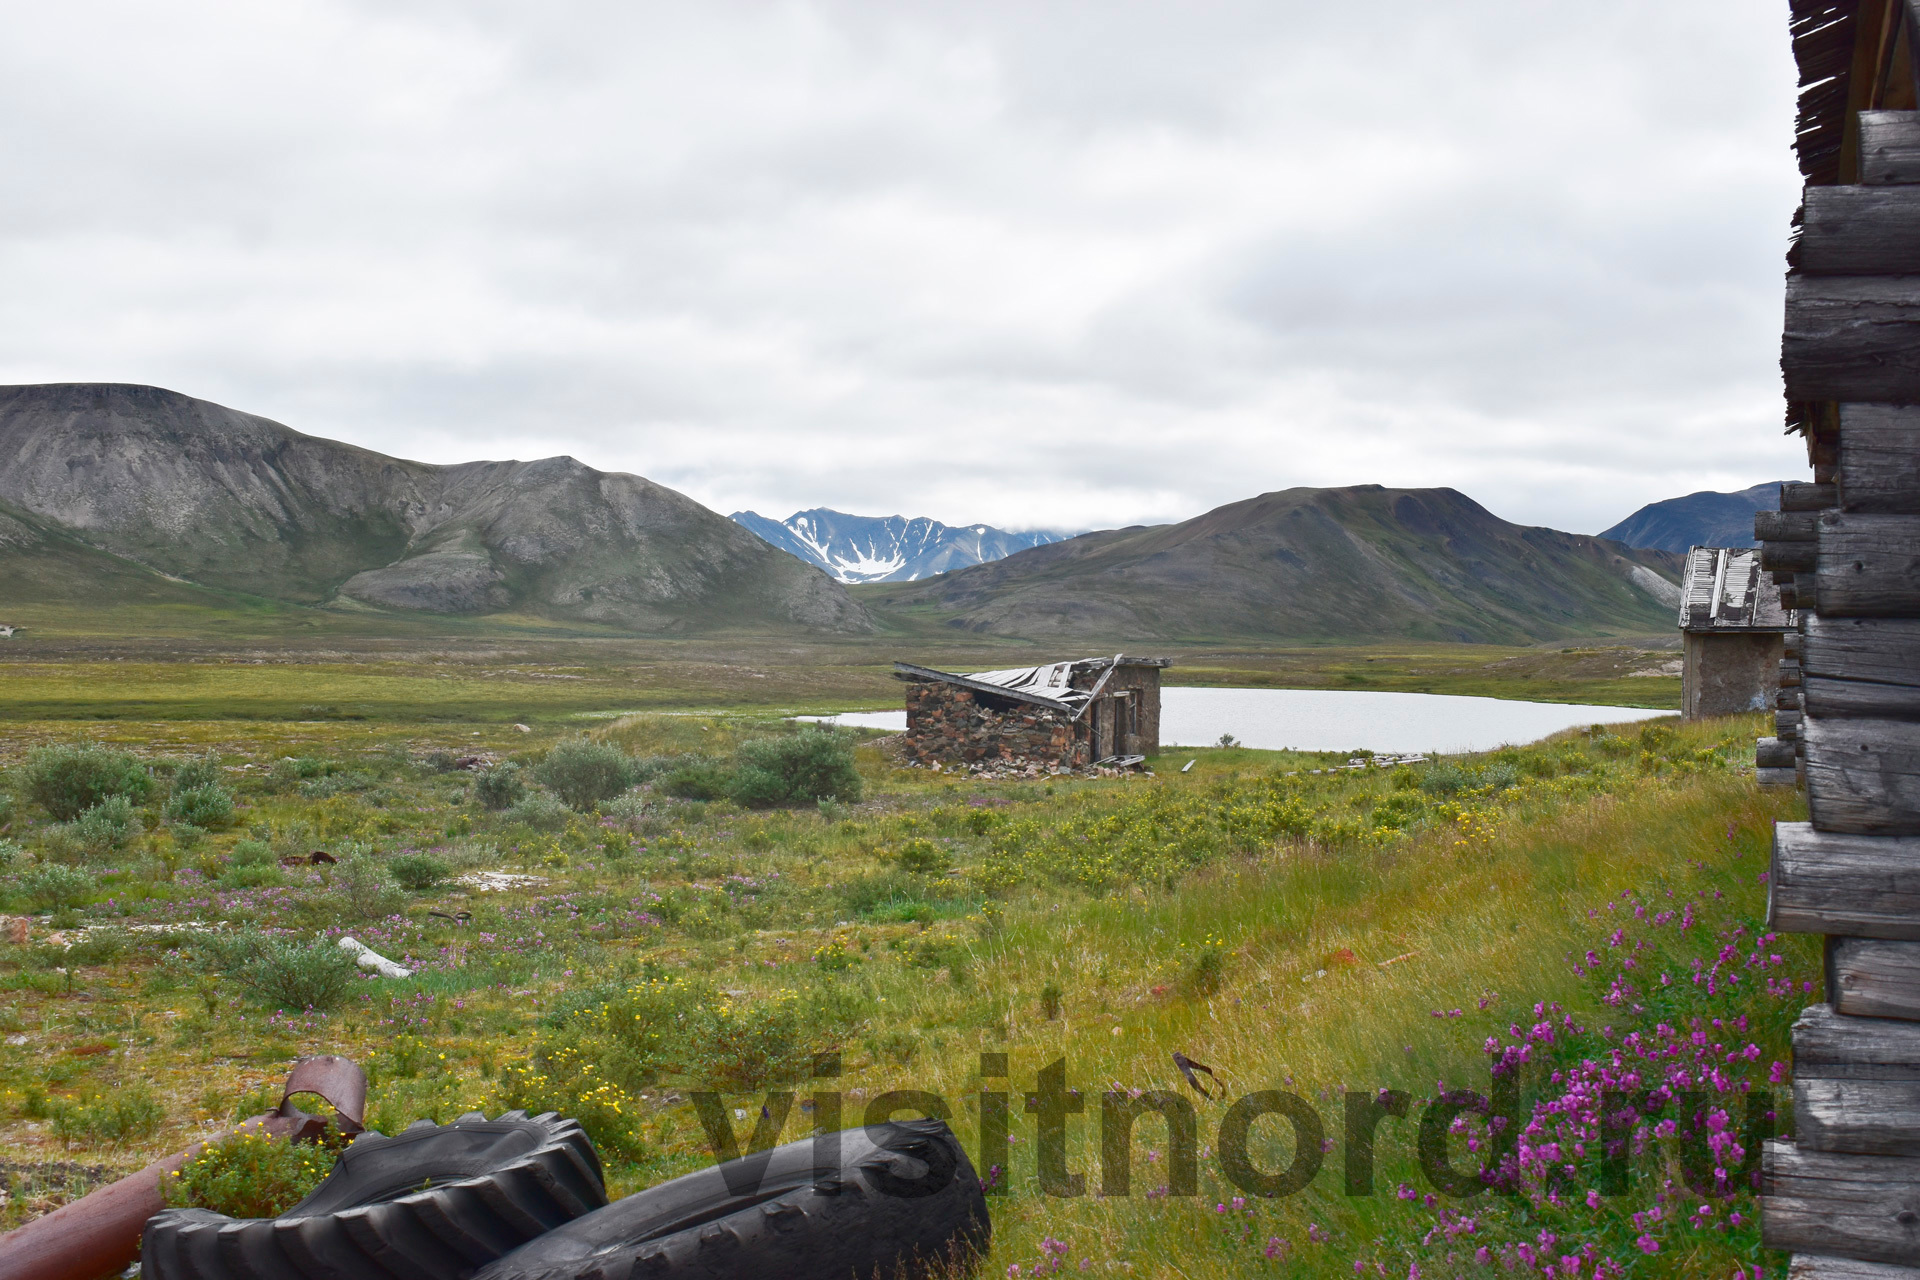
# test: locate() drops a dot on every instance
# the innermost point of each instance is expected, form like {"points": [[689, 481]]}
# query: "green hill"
{"points": [[238, 503], [1308, 564]]}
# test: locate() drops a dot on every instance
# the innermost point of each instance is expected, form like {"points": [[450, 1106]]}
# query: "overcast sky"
{"points": [[1036, 264]]}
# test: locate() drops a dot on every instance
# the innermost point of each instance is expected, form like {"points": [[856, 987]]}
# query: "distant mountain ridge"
{"points": [[1364, 562], [1704, 519], [231, 501], [888, 548]]}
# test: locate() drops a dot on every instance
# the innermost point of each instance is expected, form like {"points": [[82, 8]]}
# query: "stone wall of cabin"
{"points": [[1142, 686], [947, 724], [1727, 673]]}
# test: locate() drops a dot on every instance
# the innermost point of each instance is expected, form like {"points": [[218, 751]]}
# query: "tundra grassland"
{"points": [[1592, 900], [376, 670]]}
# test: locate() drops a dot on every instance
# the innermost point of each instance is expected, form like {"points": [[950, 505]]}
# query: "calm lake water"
{"points": [[1343, 720]]}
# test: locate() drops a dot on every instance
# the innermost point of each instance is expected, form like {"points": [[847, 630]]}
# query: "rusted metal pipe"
{"points": [[99, 1233]]}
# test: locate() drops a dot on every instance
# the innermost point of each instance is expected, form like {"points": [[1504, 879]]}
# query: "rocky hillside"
{"points": [[230, 500], [1704, 519], [1310, 564], [888, 548]]}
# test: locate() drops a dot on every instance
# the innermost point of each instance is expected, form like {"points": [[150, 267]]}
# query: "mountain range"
{"points": [[1704, 519], [1363, 562], [887, 548], [227, 500], [114, 493]]}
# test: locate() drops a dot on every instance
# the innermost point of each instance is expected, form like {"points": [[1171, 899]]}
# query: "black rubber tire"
{"points": [[898, 1197], [435, 1202]]}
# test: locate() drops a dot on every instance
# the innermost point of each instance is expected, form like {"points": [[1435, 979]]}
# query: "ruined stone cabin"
{"points": [[1063, 715]]}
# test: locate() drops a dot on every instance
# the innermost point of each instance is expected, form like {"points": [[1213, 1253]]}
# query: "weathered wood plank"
{"points": [[1850, 885], [1771, 753], [1831, 1046], [1825, 696], [1889, 147], [1789, 557], [1776, 777], [1858, 231], [1884, 650], [1786, 724], [1799, 495], [1865, 1117], [1874, 977], [1808, 1266], [1787, 699], [1869, 565], [1852, 338], [1828, 1202], [1783, 526], [1879, 457], [1790, 671], [1856, 1084], [1863, 776]]}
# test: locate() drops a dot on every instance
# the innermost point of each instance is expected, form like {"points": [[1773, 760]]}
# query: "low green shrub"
{"points": [[205, 805], [251, 875], [629, 810], [129, 1113], [250, 853], [286, 973], [585, 773], [676, 1025], [565, 1078], [923, 857], [1445, 778], [55, 887], [1500, 775], [100, 832], [499, 787], [418, 871], [97, 946], [801, 768], [697, 780], [251, 1174], [67, 781], [6, 807], [541, 812], [196, 771], [362, 884], [10, 853]]}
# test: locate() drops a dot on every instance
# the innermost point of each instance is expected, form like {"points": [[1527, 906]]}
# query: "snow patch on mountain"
{"points": [[888, 548]]}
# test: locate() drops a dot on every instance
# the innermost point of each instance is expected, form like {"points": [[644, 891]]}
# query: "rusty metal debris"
{"points": [[100, 1233]]}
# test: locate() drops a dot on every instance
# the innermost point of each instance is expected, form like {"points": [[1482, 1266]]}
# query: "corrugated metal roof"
{"points": [[1723, 589], [1049, 685]]}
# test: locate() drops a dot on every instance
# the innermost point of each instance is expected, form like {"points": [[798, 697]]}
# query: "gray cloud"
{"points": [[1032, 263]]}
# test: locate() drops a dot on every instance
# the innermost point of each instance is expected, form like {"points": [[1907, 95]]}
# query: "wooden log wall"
{"points": [[1844, 1192]]}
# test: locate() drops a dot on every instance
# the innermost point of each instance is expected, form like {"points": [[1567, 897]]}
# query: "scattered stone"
{"points": [[499, 881]]}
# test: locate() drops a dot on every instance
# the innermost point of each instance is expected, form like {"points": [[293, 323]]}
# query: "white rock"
{"points": [[367, 958]]}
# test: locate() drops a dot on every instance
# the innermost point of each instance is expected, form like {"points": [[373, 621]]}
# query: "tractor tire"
{"points": [[435, 1202], [895, 1199]]}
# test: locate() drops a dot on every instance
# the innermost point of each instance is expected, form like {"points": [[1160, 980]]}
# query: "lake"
{"points": [[1344, 720]]}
